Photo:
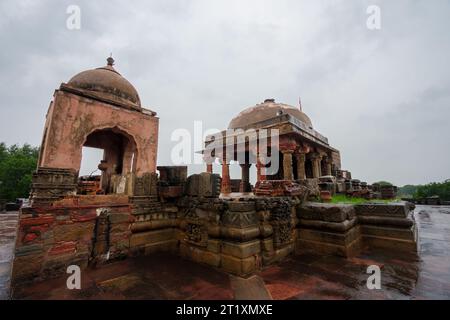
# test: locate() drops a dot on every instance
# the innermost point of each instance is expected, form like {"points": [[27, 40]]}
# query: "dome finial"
{"points": [[110, 60]]}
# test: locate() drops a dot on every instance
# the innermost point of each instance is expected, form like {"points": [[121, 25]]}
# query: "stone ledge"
{"points": [[241, 249], [327, 248], [326, 212]]}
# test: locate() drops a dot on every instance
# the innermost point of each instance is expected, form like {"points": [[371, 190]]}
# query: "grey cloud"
{"points": [[380, 96]]}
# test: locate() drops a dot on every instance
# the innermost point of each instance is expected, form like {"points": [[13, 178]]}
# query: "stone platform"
{"points": [[302, 276]]}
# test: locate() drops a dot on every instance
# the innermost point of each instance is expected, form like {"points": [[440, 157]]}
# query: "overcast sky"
{"points": [[382, 97]]}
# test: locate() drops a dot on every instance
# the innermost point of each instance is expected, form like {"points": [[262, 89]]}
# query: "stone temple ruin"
{"points": [[130, 210]]}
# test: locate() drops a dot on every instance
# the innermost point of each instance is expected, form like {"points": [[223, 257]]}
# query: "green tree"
{"points": [[434, 189], [16, 167], [408, 190]]}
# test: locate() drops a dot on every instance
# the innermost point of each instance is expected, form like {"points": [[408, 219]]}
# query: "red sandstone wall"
{"points": [[72, 118], [50, 239]]}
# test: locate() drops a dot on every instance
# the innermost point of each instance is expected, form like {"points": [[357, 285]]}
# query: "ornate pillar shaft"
{"points": [[288, 174], [226, 182], [329, 173], [245, 182], [316, 166], [301, 172]]}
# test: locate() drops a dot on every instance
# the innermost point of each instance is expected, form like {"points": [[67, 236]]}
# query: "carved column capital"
{"points": [[287, 151], [300, 156], [314, 155]]}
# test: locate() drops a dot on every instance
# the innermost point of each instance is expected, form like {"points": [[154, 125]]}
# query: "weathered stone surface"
{"points": [[200, 255], [343, 239], [240, 219], [241, 206], [400, 210], [388, 232], [63, 248], [162, 246], [203, 185], [29, 250], [144, 238], [241, 249], [240, 267], [385, 221], [350, 250], [267, 245], [75, 232], [332, 226], [214, 246], [326, 212], [120, 218]]}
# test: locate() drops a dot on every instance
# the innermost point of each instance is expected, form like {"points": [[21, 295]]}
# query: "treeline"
{"points": [[17, 164], [440, 189]]}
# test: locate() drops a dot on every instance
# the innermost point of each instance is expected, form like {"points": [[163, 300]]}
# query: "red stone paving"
{"points": [[165, 276]]}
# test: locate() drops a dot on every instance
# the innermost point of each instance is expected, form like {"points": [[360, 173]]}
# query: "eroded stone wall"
{"points": [[74, 231], [238, 236]]}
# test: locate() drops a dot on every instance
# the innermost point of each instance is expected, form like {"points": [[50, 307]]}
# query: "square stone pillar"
{"points": [[329, 173], [288, 173], [315, 159], [226, 182], [245, 181], [301, 172]]}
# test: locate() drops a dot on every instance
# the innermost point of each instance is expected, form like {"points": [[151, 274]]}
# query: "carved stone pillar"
{"points": [[315, 159], [288, 174], [328, 163], [301, 172], [260, 170], [226, 183], [245, 182]]}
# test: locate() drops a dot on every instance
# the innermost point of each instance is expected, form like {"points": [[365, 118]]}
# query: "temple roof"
{"points": [[107, 83], [267, 110]]}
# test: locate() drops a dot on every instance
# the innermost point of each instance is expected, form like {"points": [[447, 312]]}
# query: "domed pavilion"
{"points": [[99, 108], [278, 139]]}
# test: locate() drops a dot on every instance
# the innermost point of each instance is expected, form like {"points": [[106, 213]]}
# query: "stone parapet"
{"points": [[50, 184], [388, 226], [328, 229]]}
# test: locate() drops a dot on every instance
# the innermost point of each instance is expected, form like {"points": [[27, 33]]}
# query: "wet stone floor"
{"points": [[8, 224], [164, 276]]}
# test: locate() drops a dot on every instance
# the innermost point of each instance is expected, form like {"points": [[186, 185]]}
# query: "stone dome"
{"points": [[107, 83], [267, 110]]}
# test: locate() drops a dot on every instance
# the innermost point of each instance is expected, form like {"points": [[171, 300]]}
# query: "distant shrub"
{"points": [[16, 167]]}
